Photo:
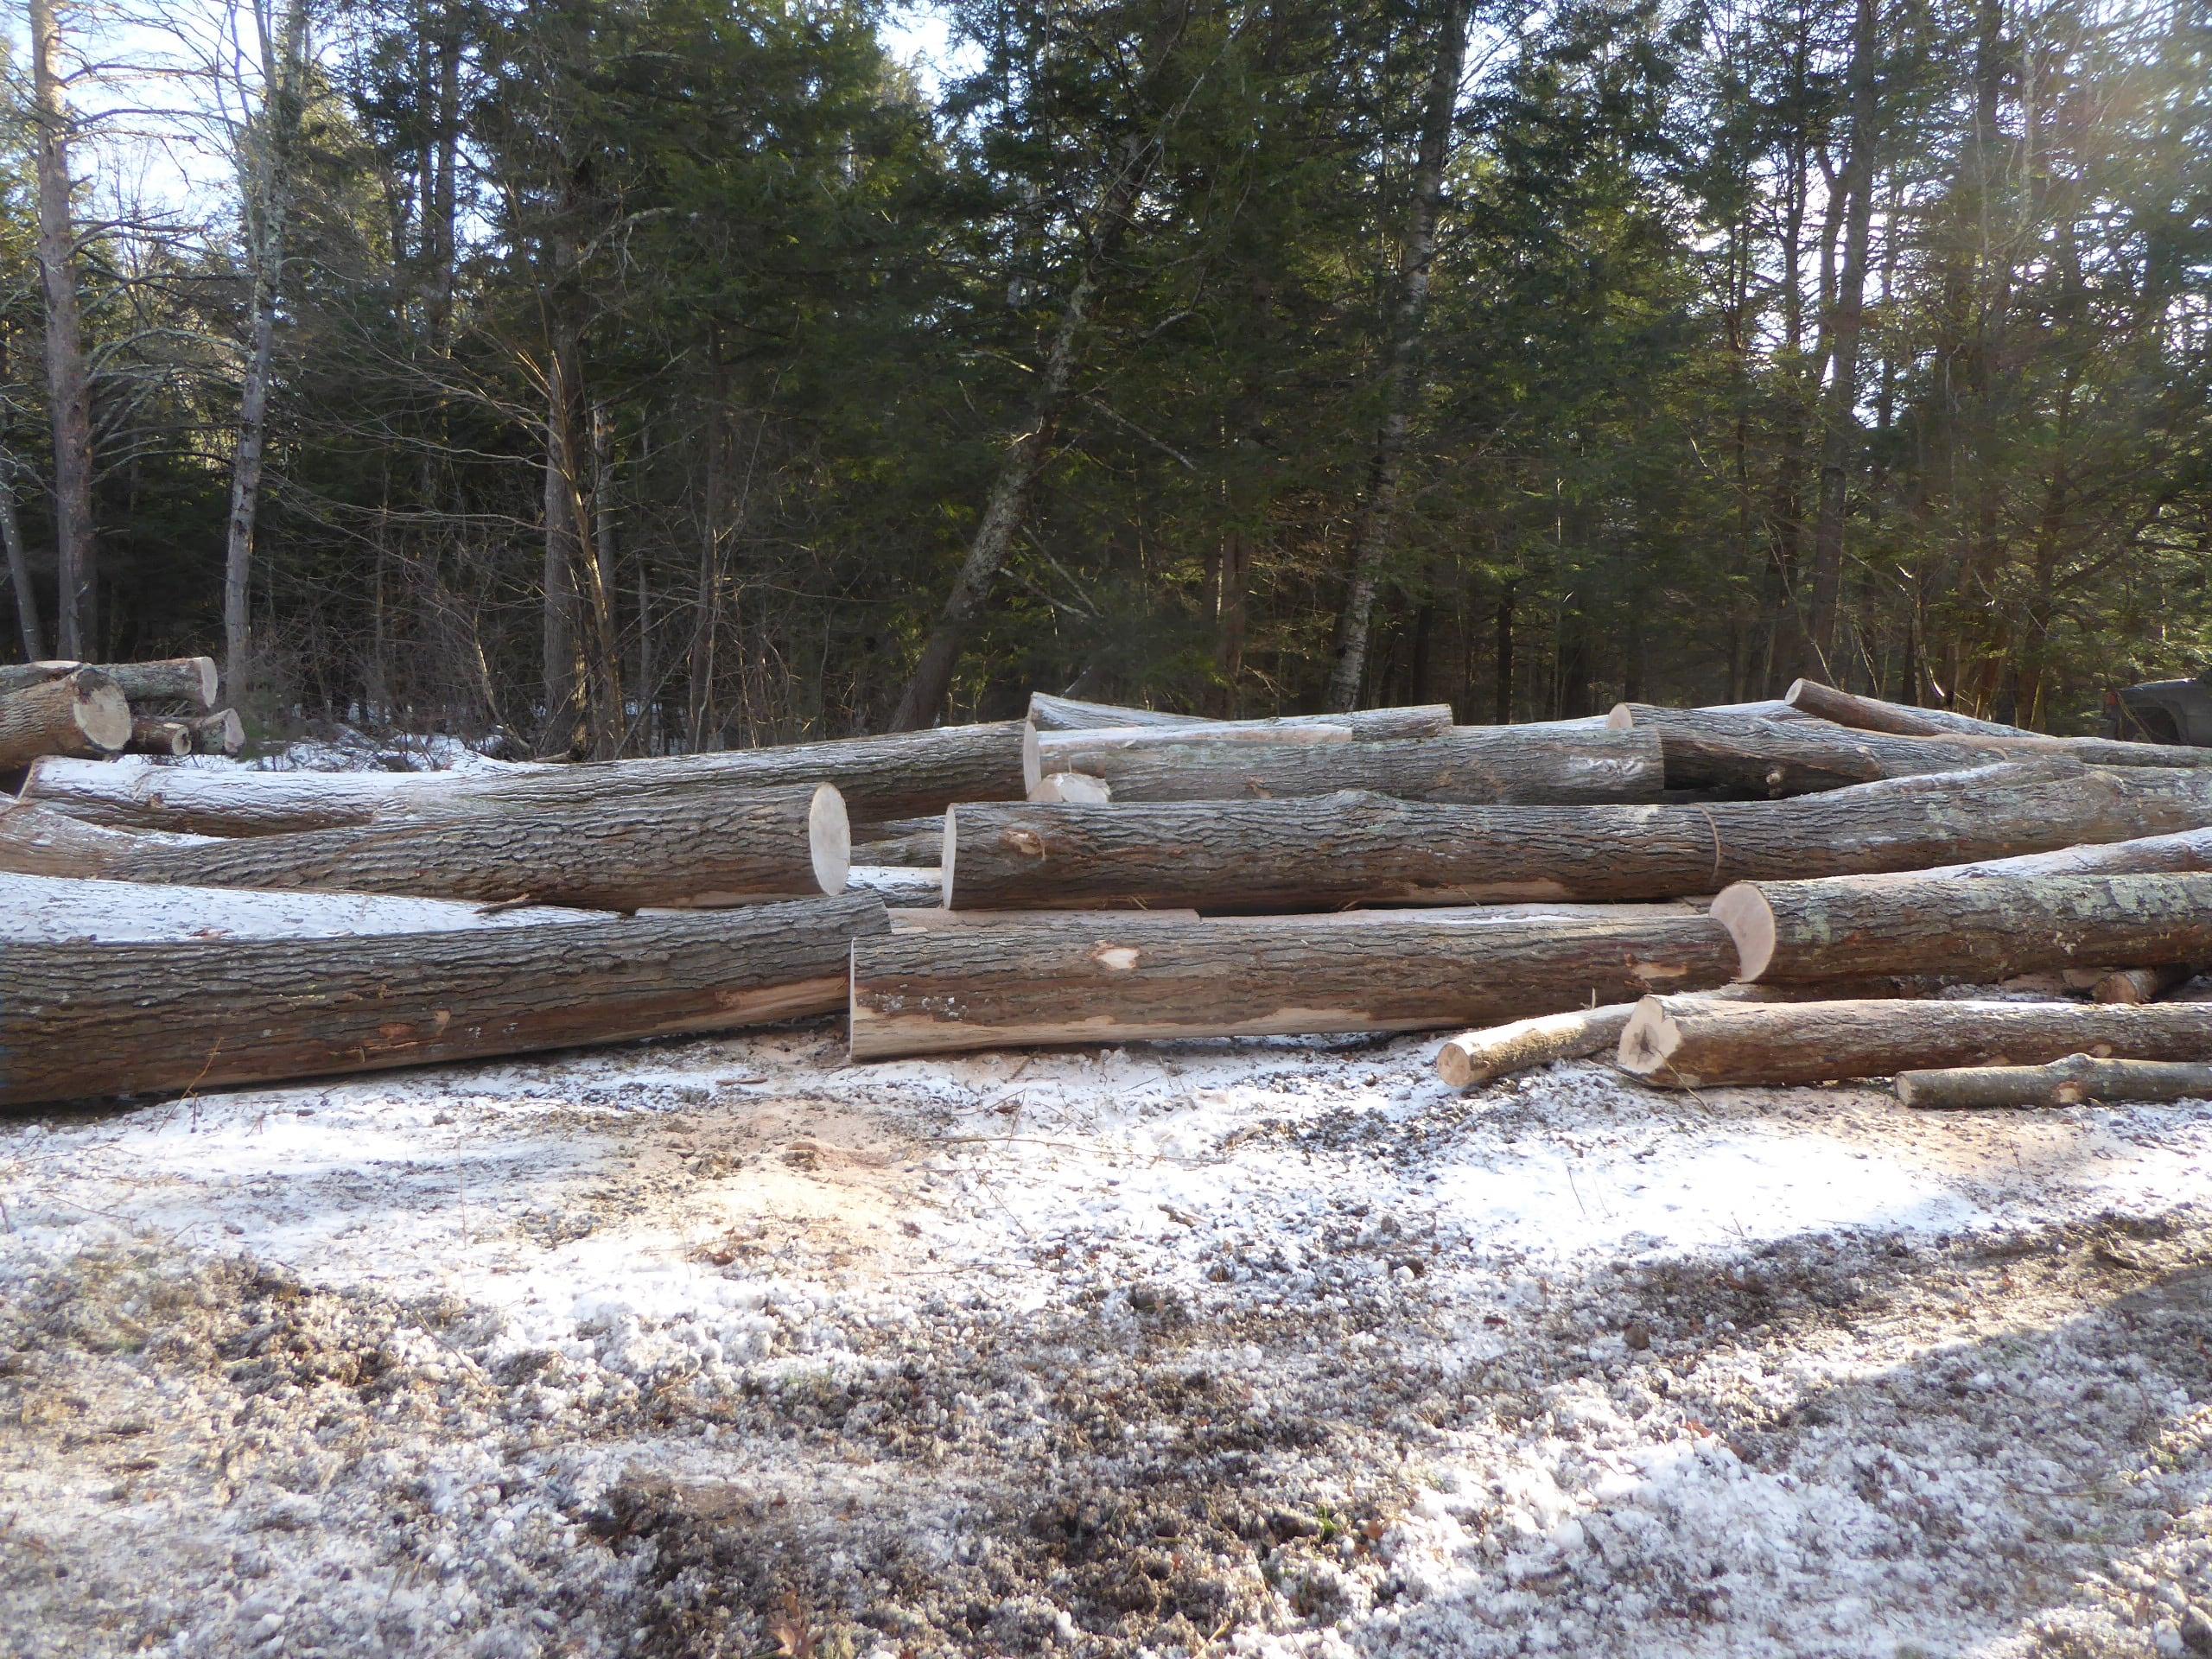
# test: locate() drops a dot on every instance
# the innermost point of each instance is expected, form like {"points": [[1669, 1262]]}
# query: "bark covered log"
{"points": [[133, 1018], [2133, 986], [187, 680], [1749, 753], [1984, 929], [695, 849], [157, 735], [1051, 714], [2070, 1082], [66, 909], [81, 713], [220, 733], [905, 775], [1132, 978], [1900, 720], [1325, 851], [1470, 764], [900, 841], [1694, 1042]]}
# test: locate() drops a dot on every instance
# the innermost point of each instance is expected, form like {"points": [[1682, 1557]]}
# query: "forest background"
{"points": [[657, 374]]}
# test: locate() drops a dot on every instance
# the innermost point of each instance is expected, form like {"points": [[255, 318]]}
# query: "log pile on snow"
{"points": [[1768, 893]]}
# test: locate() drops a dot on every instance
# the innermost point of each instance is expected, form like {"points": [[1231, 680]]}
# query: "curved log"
{"points": [[80, 713]]}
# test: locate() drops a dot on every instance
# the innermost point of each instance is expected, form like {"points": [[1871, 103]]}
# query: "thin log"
{"points": [[220, 733], [158, 735], [2133, 986], [1327, 851], [2070, 1082], [80, 713], [1750, 754], [1900, 720], [1128, 978], [58, 910], [132, 1018], [692, 849], [931, 920], [1051, 713], [1658, 717], [1695, 1042], [1470, 764], [905, 775]]}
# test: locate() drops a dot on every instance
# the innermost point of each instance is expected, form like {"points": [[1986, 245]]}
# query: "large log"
{"points": [[687, 848], [1468, 764], [1325, 851], [1694, 1042], [1051, 714], [80, 713], [135, 1018], [1130, 978], [906, 774], [64, 909], [1984, 930], [2070, 1082], [187, 680], [1901, 719], [1750, 754]]}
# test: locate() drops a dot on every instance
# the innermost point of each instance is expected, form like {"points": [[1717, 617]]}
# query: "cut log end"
{"points": [[1456, 1066], [946, 854], [1033, 763], [1649, 1042], [1621, 717], [152, 735], [220, 733], [829, 837], [1070, 789], [1744, 911], [103, 713]]}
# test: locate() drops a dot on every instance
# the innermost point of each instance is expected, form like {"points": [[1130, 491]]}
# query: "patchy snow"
{"points": [[48, 909], [1273, 1347]]}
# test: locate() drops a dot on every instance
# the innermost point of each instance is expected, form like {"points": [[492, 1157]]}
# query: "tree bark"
{"points": [[1899, 719], [1133, 978], [1401, 357], [133, 1018], [2070, 1082], [902, 775], [1696, 1042], [918, 842], [1984, 929], [68, 380], [1712, 748], [1321, 852], [187, 680], [1471, 764], [19, 568], [1051, 714], [152, 735], [82, 713], [220, 733], [681, 847]]}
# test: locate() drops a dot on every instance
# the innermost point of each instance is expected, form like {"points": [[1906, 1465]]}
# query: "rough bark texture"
{"points": [[1749, 755], [1325, 851], [689, 848], [2133, 986], [900, 841], [1133, 978], [1471, 763], [133, 1018], [63, 910], [908, 774], [69, 379], [78, 713], [19, 568], [1051, 714], [1899, 719], [152, 735], [1984, 929], [1693, 1042], [189, 681], [1627, 716], [2068, 1082]]}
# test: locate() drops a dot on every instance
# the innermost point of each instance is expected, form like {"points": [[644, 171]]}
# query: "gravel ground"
{"points": [[724, 1348]]}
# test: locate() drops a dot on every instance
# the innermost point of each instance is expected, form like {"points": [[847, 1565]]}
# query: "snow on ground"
{"points": [[723, 1347]]}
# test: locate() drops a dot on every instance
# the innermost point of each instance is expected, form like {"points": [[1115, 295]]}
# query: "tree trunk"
{"points": [[1696, 1042], [1051, 714], [903, 775], [135, 1018], [187, 680], [689, 848], [1984, 929], [1322, 852], [1402, 355], [2070, 1082], [82, 713], [1471, 764], [19, 568], [1129, 979], [1873, 715], [67, 379]]}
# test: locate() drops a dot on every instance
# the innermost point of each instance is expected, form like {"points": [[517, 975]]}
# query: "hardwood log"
{"points": [[156, 735], [132, 1018], [1901, 719], [2070, 1082], [1752, 755], [902, 775], [689, 848], [187, 680], [220, 733], [927, 920], [80, 713], [1129, 978], [65, 909], [1051, 714], [1468, 764], [1325, 851], [912, 841], [1695, 1042], [2132, 987], [1658, 717]]}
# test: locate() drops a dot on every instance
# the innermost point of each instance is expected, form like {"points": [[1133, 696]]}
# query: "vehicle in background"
{"points": [[2162, 711]]}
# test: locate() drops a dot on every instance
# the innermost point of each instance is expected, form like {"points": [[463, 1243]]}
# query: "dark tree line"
{"points": [[667, 373]]}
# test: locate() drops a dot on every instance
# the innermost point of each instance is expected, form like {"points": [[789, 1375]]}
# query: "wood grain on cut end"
{"points": [[1070, 789], [1744, 911], [829, 838], [1649, 1040]]}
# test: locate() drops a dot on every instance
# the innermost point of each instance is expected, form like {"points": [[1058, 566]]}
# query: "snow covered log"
{"points": [[1694, 1042], [187, 680], [1468, 764], [1051, 713], [2070, 1082], [51, 909], [80, 713], [1324, 851], [80, 1021], [1128, 978], [677, 848], [906, 774]]}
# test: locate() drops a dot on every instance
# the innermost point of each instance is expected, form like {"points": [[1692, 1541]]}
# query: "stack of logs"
{"points": [[1780, 891], [165, 708]]}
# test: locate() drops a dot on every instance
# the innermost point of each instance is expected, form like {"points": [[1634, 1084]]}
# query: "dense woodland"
{"points": [[648, 374]]}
